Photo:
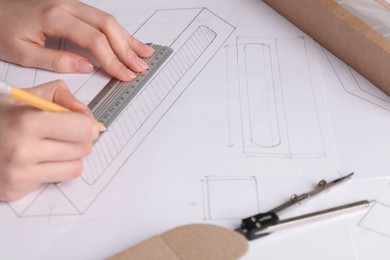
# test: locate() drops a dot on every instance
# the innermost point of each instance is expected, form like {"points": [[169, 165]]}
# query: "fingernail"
{"points": [[128, 73], [84, 66], [149, 49], [142, 63]]}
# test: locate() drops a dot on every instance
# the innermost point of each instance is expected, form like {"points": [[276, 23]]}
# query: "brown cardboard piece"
{"points": [[343, 34], [190, 242], [384, 3]]}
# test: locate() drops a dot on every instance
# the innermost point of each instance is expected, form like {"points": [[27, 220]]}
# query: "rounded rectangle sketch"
{"points": [[272, 102], [195, 40], [260, 86]]}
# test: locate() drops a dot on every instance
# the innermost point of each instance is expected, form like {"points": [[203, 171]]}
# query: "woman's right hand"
{"points": [[38, 147]]}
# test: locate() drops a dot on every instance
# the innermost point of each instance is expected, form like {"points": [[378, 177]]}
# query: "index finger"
{"points": [[120, 40], [63, 126], [92, 39]]}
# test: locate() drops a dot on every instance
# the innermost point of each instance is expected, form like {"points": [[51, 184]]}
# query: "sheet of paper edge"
{"points": [[190, 242], [343, 34]]}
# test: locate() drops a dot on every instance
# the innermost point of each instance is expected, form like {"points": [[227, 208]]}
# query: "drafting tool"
{"points": [[35, 101], [116, 95], [265, 223]]}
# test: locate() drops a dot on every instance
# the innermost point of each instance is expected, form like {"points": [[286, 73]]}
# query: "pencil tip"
{"points": [[102, 128]]}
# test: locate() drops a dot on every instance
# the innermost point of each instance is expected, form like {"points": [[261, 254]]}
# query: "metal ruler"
{"points": [[116, 95]]}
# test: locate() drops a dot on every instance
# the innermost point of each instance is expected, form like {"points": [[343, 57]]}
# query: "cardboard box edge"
{"points": [[325, 21]]}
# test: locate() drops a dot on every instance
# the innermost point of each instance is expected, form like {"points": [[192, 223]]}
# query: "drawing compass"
{"points": [[265, 223]]}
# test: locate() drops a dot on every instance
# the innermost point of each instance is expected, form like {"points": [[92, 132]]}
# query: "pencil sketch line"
{"points": [[354, 88], [373, 221], [117, 143], [266, 93], [167, 72], [217, 207]]}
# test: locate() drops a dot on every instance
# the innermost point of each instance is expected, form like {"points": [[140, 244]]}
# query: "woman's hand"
{"points": [[38, 147], [26, 24]]}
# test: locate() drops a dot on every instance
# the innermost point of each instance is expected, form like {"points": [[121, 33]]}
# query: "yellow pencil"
{"points": [[35, 101]]}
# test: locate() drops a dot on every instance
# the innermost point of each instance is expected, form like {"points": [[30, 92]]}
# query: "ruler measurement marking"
{"points": [[159, 84], [116, 95]]}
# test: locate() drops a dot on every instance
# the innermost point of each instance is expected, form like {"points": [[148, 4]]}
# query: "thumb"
{"points": [[58, 92], [56, 60]]}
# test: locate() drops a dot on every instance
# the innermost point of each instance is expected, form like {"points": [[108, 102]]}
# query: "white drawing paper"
{"points": [[246, 112]]}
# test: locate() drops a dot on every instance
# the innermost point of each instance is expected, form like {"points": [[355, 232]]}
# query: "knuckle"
{"points": [[53, 11], [15, 156], [130, 51], [108, 20], [97, 39], [56, 62], [114, 61], [22, 121], [112, 65], [133, 42], [17, 126]]}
